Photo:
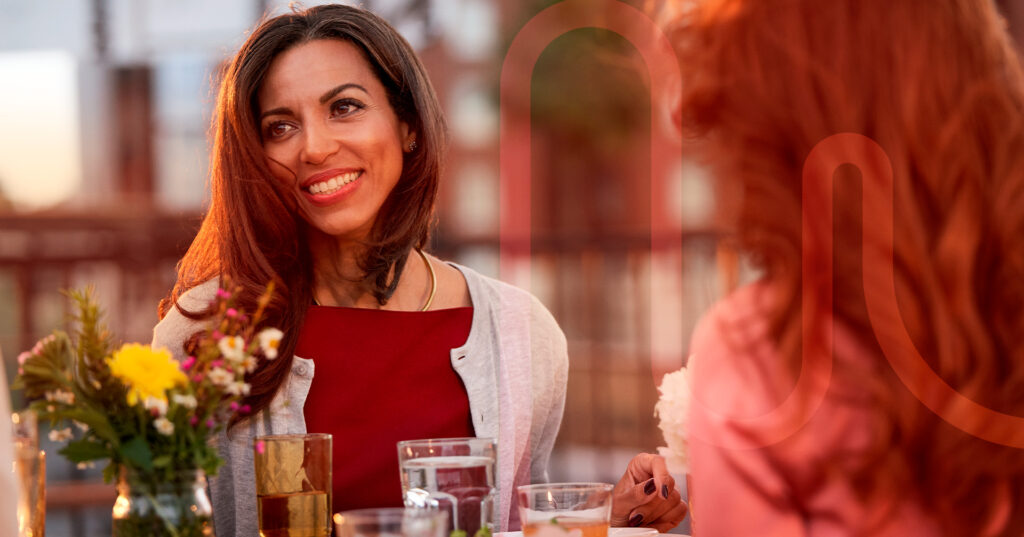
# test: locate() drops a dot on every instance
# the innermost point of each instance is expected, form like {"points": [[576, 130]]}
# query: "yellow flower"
{"points": [[146, 372]]}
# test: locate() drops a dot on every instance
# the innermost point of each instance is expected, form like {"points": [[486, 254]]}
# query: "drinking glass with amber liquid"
{"points": [[293, 485], [579, 509], [30, 474]]}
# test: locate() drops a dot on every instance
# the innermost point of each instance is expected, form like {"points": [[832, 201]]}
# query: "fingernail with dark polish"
{"points": [[649, 486], [664, 491], [636, 520]]}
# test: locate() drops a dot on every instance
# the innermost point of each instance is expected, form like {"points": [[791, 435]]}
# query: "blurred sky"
{"points": [[39, 142]]}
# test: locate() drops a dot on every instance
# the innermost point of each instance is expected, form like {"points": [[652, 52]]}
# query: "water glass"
{"points": [[293, 484], [454, 475], [30, 474], [566, 507], [391, 522]]}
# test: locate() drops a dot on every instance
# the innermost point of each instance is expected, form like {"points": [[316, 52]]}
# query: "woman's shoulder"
{"points": [[495, 297], [172, 331]]}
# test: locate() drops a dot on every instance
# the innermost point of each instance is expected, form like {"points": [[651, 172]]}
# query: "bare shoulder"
{"points": [[452, 289]]}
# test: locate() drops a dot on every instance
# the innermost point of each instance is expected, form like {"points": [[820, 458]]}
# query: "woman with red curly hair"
{"points": [[804, 422]]}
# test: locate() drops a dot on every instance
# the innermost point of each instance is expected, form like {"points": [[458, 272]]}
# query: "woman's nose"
{"points": [[319, 144]]}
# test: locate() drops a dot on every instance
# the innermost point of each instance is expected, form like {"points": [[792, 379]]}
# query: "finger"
{"points": [[645, 514], [672, 518], [627, 500], [647, 465]]}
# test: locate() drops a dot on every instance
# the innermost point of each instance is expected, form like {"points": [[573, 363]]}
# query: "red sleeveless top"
{"points": [[381, 377]]}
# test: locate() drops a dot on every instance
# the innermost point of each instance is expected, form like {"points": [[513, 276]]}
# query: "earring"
{"points": [[412, 146]]}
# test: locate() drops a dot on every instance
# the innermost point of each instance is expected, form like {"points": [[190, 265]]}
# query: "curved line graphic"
{"points": [[884, 313], [516, 76]]}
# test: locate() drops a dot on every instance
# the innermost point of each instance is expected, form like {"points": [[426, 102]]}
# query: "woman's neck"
{"points": [[338, 280]]}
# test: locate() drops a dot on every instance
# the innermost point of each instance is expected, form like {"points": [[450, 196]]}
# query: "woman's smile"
{"points": [[330, 187]]}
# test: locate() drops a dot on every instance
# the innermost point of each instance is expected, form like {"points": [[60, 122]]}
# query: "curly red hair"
{"points": [[939, 86]]}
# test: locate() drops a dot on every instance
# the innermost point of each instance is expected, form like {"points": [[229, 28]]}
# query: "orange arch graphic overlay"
{"points": [[883, 310], [516, 76]]}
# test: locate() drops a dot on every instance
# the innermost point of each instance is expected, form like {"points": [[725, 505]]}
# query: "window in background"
{"points": [[40, 151]]}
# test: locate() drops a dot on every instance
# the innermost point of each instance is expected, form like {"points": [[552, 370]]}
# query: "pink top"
{"points": [[740, 487]]}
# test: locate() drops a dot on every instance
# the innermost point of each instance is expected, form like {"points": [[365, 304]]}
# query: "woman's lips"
{"points": [[331, 186]]}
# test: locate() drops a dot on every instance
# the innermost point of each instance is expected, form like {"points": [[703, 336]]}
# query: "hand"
{"points": [[646, 496]]}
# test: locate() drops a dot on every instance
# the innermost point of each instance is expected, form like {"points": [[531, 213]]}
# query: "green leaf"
{"points": [[138, 453], [162, 461], [110, 472], [96, 420], [483, 532], [84, 450], [457, 533]]}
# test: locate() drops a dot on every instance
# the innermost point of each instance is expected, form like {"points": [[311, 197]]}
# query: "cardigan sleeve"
{"points": [[174, 329], [550, 373]]}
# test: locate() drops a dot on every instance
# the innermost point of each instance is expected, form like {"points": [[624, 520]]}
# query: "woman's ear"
{"points": [[408, 138]]}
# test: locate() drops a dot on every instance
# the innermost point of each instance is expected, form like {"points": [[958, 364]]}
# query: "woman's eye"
{"points": [[345, 107], [277, 130]]}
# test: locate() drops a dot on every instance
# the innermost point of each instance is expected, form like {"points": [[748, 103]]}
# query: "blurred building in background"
{"points": [[103, 162]]}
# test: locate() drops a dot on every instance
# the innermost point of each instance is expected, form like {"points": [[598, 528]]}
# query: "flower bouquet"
{"points": [[150, 416]]}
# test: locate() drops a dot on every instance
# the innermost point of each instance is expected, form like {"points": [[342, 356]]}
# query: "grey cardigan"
{"points": [[514, 365]]}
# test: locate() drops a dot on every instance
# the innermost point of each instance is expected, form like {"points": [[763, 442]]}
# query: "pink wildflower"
{"points": [[197, 378], [221, 293], [234, 406], [231, 312], [217, 335], [210, 423], [193, 420], [188, 363], [260, 447], [245, 409], [217, 363]]}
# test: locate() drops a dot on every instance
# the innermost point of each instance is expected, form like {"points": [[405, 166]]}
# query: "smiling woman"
{"points": [[327, 153]]}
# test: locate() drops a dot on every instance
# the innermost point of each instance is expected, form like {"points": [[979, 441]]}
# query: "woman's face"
{"points": [[331, 136]]}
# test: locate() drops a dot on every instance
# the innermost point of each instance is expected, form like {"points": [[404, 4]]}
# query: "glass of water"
{"points": [[455, 475]]}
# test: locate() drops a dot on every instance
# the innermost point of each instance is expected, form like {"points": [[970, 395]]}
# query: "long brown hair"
{"points": [[939, 86], [253, 234]]}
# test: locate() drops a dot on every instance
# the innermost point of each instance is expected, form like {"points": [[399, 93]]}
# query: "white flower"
{"points": [[187, 401], [249, 364], [81, 426], [232, 347], [673, 412], [86, 465], [238, 388], [270, 339], [164, 426], [60, 396], [60, 435], [152, 403], [220, 376]]}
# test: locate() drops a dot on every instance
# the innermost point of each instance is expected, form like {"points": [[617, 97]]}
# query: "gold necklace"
{"points": [[433, 282]]}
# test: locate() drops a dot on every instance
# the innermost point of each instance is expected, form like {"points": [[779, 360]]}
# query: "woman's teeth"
{"points": [[333, 184]]}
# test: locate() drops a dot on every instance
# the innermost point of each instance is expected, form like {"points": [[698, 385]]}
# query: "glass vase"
{"points": [[148, 506]]}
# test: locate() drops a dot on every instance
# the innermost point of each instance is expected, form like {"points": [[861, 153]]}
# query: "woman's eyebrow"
{"points": [[328, 95], [281, 110], [332, 92]]}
